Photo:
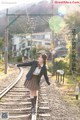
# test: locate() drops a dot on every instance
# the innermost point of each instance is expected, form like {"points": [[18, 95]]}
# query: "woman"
{"points": [[38, 68]]}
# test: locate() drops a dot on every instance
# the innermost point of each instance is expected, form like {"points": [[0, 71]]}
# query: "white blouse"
{"points": [[37, 70]]}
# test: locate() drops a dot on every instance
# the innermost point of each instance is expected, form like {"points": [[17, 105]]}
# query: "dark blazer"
{"points": [[33, 65]]}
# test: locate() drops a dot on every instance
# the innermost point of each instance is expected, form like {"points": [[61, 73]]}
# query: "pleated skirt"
{"points": [[32, 84]]}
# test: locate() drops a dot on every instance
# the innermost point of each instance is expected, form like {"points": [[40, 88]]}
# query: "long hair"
{"points": [[44, 56]]}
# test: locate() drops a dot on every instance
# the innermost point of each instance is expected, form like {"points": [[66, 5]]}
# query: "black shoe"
{"points": [[33, 110]]}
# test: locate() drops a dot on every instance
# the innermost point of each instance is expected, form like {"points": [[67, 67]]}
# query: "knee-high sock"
{"points": [[33, 102], [35, 98]]}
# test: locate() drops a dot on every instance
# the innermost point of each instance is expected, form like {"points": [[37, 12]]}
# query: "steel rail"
{"points": [[10, 86]]}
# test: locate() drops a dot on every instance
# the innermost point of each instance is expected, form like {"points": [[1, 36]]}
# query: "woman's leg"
{"points": [[33, 93], [33, 96]]}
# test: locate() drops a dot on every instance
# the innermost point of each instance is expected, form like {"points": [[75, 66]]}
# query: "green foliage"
{"points": [[19, 59], [1, 66], [0, 61], [56, 23], [34, 52], [1, 43], [38, 49], [61, 63], [69, 79], [73, 20], [1, 46], [50, 66]]}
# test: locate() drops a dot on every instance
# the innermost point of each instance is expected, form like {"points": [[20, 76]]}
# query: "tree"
{"points": [[1, 44], [56, 23], [73, 21], [34, 52]]}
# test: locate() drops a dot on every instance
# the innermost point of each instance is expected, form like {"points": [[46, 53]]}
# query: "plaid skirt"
{"points": [[32, 84]]}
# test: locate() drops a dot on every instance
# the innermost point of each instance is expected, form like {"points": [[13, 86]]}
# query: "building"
{"points": [[23, 43], [60, 51]]}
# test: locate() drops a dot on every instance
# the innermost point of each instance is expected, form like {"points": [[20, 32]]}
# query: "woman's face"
{"points": [[40, 59]]}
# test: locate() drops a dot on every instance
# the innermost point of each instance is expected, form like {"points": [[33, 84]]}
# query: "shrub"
{"points": [[61, 63], [50, 66], [19, 59]]}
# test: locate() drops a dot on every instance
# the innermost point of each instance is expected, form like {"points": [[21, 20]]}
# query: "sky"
{"points": [[9, 3]]}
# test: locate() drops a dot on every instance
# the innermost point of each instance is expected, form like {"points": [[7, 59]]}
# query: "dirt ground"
{"points": [[60, 107]]}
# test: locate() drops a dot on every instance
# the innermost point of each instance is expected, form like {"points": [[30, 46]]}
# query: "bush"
{"points": [[61, 64], [19, 59], [50, 66], [0, 61]]}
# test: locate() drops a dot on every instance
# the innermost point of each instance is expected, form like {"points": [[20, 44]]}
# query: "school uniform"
{"points": [[34, 75]]}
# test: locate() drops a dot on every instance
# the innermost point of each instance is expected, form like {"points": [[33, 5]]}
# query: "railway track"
{"points": [[15, 101], [8, 79]]}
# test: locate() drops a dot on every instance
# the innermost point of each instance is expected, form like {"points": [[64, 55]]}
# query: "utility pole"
{"points": [[52, 2], [6, 43], [31, 47]]}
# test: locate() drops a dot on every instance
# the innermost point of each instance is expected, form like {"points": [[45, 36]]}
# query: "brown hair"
{"points": [[44, 56]]}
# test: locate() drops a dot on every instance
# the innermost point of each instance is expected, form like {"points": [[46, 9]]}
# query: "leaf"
{"points": [[56, 23]]}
